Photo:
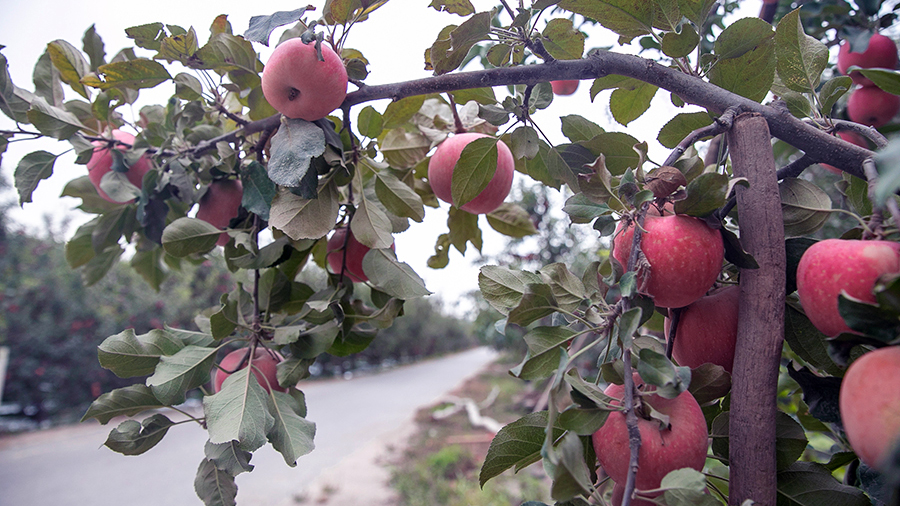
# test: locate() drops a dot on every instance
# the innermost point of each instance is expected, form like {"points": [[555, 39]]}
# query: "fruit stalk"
{"points": [[761, 316]]}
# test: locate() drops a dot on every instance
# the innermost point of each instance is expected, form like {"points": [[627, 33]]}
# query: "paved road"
{"points": [[69, 466]]}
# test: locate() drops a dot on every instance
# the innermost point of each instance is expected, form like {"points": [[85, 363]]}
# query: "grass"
{"points": [[443, 458]]}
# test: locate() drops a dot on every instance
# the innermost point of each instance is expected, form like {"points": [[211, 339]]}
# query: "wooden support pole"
{"points": [[761, 316]]}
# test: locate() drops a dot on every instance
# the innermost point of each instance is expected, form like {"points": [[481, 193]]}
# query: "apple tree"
{"points": [[737, 202]]}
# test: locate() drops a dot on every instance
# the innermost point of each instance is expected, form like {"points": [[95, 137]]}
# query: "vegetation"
{"points": [[746, 80]]}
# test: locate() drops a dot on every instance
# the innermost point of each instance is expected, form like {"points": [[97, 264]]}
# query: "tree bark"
{"points": [[761, 316]]}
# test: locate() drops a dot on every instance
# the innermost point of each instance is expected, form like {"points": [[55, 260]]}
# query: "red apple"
{"points": [[707, 330], [564, 87], [443, 161], [355, 253], [264, 366], [834, 265], [101, 162], [298, 85], [685, 257], [872, 106], [870, 405], [880, 53], [682, 444], [852, 138], [220, 204]]}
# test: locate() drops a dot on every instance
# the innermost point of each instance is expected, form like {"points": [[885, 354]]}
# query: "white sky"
{"points": [[395, 53]]}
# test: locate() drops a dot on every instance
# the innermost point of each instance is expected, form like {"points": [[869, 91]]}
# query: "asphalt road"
{"points": [[70, 467]]}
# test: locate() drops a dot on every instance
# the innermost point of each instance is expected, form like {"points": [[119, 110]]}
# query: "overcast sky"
{"points": [[393, 40]]}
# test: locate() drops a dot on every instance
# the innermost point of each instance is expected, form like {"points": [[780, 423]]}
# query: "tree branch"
{"points": [[797, 133]]}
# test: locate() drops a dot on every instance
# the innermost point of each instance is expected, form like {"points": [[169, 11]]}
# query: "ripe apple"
{"points": [[298, 85], [220, 204], [880, 53], [685, 257], [872, 106], [443, 161], [852, 138], [564, 87], [834, 265], [707, 330], [870, 405], [264, 365], [682, 444], [355, 253], [102, 160]]}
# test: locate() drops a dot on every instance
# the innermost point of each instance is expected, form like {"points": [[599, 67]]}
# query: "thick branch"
{"points": [[794, 131], [761, 316]]}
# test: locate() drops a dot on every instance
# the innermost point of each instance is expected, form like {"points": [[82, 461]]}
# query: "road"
{"points": [[70, 467]]}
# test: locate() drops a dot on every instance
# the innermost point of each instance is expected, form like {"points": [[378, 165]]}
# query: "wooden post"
{"points": [[761, 316], [4, 361]]}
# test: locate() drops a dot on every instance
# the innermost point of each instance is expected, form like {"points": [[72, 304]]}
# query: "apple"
{"points": [[102, 160], [355, 253], [685, 257], [564, 87], [852, 138], [443, 162], [869, 403], [264, 363], [872, 106], [707, 330], [220, 204], [682, 443], [298, 85], [834, 265], [880, 53]]}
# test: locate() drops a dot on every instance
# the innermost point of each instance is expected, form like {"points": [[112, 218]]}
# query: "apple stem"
{"points": [[721, 125], [878, 210], [457, 121], [674, 317], [634, 434], [294, 94]]}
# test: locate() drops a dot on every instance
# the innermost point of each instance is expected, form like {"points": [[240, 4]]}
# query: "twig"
{"points": [[721, 125]]}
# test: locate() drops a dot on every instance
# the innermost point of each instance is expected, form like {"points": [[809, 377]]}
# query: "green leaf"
{"points": [[484, 96], [369, 122], [705, 194], [562, 40], [71, 64], [524, 142], [371, 226], [127, 354], [709, 382], [458, 7], [801, 58], [567, 288], [294, 145], [503, 287], [178, 373], [228, 458], [463, 229], [225, 53], [682, 125], [14, 101], [126, 401], [391, 276], [291, 435], [834, 89], [189, 236], [571, 475], [214, 487], [628, 102], [537, 302], [887, 80], [746, 59], [47, 83], [589, 390], [134, 438], [583, 422], [400, 111], [53, 121], [582, 209], [680, 45], [577, 128], [511, 220], [628, 18], [618, 148], [93, 47], [808, 342], [238, 412], [516, 445], [812, 484], [474, 170], [132, 74], [450, 50], [687, 486], [261, 27], [804, 205], [301, 218], [398, 197], [147, 36], [259, 190], [658, 370], [33, 168]]}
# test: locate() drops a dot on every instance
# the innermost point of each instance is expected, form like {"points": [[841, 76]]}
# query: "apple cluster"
{"points": [[101, 163], [264, 366], [299, 85], [350, 263], [868, 104], [221, 203]]}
